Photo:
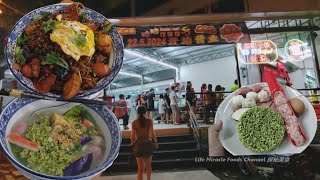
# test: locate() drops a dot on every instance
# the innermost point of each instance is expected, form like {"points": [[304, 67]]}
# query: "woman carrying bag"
{"points": [[143, 142]]}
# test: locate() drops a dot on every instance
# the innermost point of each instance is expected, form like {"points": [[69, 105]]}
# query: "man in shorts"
{"points": [[167, 102]]}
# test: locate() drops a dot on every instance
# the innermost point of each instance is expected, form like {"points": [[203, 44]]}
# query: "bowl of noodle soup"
{"points": [[52, 159]]}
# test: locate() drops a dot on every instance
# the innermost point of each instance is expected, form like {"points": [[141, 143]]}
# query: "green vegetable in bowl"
{"points": [[53, 58], [19, 56], [261, 129], [78, 111], [50, 25], [22, 40]]}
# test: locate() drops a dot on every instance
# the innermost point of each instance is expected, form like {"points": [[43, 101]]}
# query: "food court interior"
{"points": [[159, 68]]}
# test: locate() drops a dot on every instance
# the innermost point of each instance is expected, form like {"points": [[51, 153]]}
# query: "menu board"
{"points": [[257, 52], [183, 35]]}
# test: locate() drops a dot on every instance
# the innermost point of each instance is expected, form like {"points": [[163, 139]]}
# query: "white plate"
{"points": [[230, 139]]}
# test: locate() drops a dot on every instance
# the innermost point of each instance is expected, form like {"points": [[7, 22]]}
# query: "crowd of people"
{"points": [[168, 103], [143, 138], [167, 107], [209, 99]]}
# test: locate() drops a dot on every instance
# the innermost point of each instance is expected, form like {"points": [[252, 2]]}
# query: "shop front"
{"points": [[194, 49], [199, 50]]}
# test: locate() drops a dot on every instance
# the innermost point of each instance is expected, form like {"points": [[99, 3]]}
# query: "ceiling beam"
{"points": [[213, 18], [188, 8], [175, 6], [110, 5], [209, 57], [165, 8], [132, 68], [154, 69]]}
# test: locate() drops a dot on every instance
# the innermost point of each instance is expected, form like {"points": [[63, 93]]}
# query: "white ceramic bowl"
{"points": [[21, 109], [230, 138]]}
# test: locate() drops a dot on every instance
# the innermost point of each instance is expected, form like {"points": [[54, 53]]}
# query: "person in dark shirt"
{"points": [[190, 97], [150, 103], [167, 102], [138, 100], [145, 99]]}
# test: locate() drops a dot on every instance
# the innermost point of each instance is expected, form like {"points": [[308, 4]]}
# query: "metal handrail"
{"points": [[194, 124]]}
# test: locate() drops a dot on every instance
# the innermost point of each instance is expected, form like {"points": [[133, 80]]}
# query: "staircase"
{"points": [[175, 152]]}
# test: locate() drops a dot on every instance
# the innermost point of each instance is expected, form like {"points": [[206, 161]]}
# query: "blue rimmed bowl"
{"points": [[116, 56], [20, 109]]}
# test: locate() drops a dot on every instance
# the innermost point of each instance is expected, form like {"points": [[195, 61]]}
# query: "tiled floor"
{"points": [[183, 175]]}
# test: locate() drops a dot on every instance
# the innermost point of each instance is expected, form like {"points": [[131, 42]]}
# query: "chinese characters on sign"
{"points": [[182, 35], [257, 52], [297, 50]]}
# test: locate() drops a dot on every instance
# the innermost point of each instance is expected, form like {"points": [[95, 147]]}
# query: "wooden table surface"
{"points": [[7, 171]]}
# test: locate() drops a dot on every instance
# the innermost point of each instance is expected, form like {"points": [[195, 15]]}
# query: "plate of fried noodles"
{"points": [[64, 51]]}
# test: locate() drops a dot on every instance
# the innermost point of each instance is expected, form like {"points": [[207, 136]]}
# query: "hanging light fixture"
{"points": [[151, 59], [130, 74]]}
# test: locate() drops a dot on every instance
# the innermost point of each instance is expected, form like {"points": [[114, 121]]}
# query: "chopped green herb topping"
{"points": [[80, 41], [53, 58], [50, 25], [19, 56]]}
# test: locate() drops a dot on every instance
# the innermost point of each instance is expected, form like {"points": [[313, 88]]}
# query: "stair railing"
{"points": [[194, 124]]}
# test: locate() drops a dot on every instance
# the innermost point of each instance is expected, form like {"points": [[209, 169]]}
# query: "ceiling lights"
{"points": [[151, 59], [130, 74]]}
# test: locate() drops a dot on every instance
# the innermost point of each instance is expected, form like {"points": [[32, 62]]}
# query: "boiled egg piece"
{"points": [[74, 38]]}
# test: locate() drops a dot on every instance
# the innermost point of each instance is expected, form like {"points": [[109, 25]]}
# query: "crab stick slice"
{"points": [[22, 142], [87, 123]]}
